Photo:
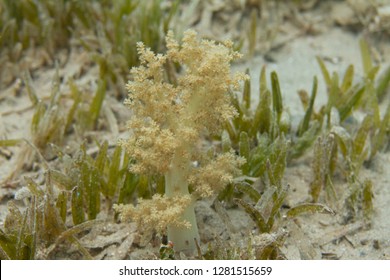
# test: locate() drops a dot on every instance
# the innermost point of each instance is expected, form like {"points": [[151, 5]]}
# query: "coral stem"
{"points": [[176, 184]]}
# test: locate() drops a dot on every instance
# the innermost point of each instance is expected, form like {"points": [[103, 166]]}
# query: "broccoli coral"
{"points": [[169, 121]]}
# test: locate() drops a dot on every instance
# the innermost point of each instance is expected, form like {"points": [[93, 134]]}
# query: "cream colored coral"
{"points": [[168, 123]]}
